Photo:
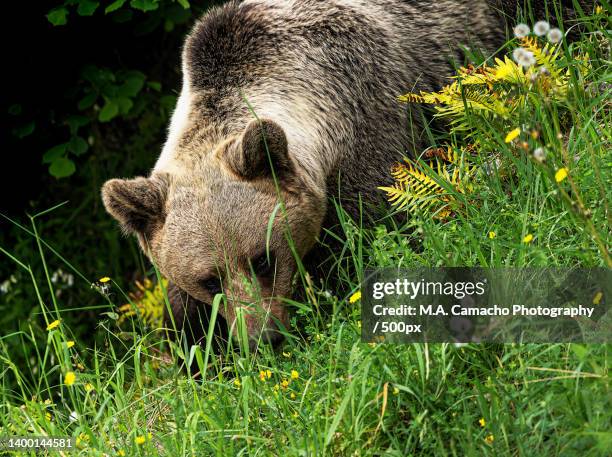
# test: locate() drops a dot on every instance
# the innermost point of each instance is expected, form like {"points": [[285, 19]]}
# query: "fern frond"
{"points": [[495, 92], [416, 189], [544, 56], [509, 71], [411, 98]]}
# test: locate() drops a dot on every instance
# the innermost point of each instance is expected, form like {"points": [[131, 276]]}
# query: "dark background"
{"points": [[45, 74]]}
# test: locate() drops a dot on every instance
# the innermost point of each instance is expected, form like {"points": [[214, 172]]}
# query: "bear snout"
{"points": [[264, 326]]}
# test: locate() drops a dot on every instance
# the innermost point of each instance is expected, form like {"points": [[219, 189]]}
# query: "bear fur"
{"points": [[284, 105]]}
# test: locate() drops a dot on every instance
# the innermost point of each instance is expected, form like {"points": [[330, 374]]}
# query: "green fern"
{"points": [[418, 184], [497, 91]]}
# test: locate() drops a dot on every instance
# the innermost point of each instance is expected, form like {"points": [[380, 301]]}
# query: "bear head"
{"points": [[237, 221]]}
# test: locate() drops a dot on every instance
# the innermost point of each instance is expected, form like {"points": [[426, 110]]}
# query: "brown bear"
{"points": [[285, 104]]}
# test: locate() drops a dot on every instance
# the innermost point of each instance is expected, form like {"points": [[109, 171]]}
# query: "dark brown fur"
{"points": [[323, 78]]}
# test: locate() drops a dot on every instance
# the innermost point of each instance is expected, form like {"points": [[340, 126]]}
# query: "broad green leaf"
{"points": [[156, 86], [109, 111], [132, 86], [75, 122], [62, 167], [144, 5], [87, 101], [114, 6], [87, 7], [183, 3], [54, 153], [97, 75], [78, 145], [125, 104], [58, 16], [133, 74], [110, 91], [24, 130]]}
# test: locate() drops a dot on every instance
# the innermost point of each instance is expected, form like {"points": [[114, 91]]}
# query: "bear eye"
{"points": [[261, 265], [212, 285]]}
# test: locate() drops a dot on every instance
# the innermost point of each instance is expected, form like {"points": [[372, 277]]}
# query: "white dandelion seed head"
{"points": [[554, 35], [521, 30], [517, 54], [527, 60], [541, 28], [539, 154]]}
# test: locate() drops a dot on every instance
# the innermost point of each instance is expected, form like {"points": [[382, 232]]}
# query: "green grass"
{"points": [[349, 398]]}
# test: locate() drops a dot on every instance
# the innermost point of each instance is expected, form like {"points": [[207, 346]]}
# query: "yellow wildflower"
{"points": [[284, 384], [53, 325], [482, 422], [597, 298], [69, 378], [82, 440], [292, 396], [598, 9], [287, 354], [395, 391], [121, 453], [104, 279], [237, 382], [512, 135], [265, 374], [294, 374], [561, 174], [489, 439], [140, 439], [69, 344], [492, 235], [88, 387], [356, 296], [528, 238]]}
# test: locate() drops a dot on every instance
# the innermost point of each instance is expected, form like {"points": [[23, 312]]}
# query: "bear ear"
{"points": [[262, 148], [138, 204]]}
